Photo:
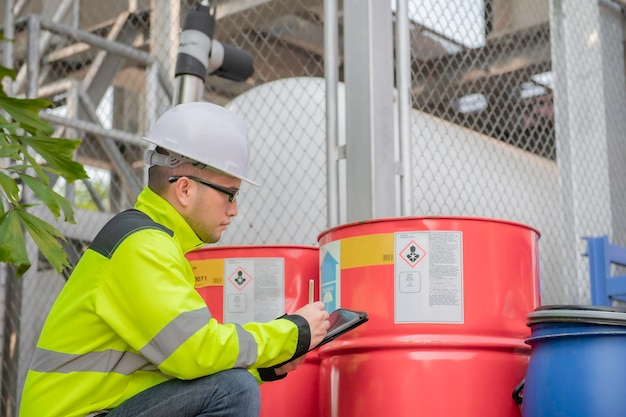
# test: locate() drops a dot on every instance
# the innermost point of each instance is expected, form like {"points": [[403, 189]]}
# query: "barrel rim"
{"points": [[409, 218], [589, 314], [259, 246]]}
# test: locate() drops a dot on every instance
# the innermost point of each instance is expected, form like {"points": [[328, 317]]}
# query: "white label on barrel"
{"points": [[428, 274], [254, 289]]}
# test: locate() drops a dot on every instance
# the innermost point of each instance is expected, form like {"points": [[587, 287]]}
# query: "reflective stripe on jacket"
{"points": [[129, 318]]}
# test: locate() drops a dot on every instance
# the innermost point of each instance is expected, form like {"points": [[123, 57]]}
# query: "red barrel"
{"points": [[447, 299], [259, 283]]}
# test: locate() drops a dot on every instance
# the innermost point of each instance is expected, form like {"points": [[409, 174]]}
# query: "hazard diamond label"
{"points": [[412, 253], [240, 278]]}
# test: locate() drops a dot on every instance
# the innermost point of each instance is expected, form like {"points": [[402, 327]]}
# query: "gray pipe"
{"points": [[331, 74], [403, 69]]}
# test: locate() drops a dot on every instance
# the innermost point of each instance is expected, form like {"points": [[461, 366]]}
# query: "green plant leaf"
{"points": [[11, 190], [12, 242], [39, 170], [58, 154], [54, 201], [46, 237], [10, 126], [68, 210], [43, 192], [6, 72], [10, 151], [26, 113]]}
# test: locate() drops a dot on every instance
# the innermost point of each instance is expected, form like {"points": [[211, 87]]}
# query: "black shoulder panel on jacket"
{"points": [[120, 227]]}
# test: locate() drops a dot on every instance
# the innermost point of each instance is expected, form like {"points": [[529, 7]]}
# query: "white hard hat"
{"points": [[204, 134]]}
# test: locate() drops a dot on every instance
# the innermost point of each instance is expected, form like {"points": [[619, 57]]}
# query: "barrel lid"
{"points": [[614, 315]]}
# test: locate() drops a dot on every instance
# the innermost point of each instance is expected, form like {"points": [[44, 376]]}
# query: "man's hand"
{"points": [[317, 318]]}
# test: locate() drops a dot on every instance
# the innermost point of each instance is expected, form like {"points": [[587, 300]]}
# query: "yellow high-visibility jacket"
{"points": [[129, 318]]}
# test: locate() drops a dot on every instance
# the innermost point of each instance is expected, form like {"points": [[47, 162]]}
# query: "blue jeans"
{"points": [[231, 393]]}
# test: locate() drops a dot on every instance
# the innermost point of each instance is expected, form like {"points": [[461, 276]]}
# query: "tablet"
{"points": [[342, 321]]}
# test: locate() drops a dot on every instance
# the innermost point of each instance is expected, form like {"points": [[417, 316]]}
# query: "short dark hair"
{"points": [[158, 176]]}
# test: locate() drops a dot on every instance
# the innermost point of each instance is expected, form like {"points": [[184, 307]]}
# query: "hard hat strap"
{"points": [[172, 160]]}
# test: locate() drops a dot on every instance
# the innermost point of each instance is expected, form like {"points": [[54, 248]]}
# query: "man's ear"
{"points": [[182, 192]]}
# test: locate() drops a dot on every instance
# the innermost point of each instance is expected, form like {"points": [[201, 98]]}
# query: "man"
{"points": [[129, 335]]}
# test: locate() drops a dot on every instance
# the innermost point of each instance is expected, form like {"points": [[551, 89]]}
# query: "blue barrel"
{"points": [[577, 364]]}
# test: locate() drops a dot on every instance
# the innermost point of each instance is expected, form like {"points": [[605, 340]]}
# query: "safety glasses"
{"points": [[230, 192]]}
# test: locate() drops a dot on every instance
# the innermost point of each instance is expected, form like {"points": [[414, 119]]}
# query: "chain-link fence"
{"points": [[518, 113]]}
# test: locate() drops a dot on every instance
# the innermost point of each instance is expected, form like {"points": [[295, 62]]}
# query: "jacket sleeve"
{"points": [[149, 299], [304, 340]]}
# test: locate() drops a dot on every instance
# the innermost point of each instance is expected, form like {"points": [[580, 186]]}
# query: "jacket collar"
{"points": [[162, 212]]}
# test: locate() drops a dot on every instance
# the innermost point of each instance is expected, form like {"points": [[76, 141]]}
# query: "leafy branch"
{"points": [[25, 140]]}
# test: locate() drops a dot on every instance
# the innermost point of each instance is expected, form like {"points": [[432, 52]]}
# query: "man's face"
{"points": [[209, 210]]}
